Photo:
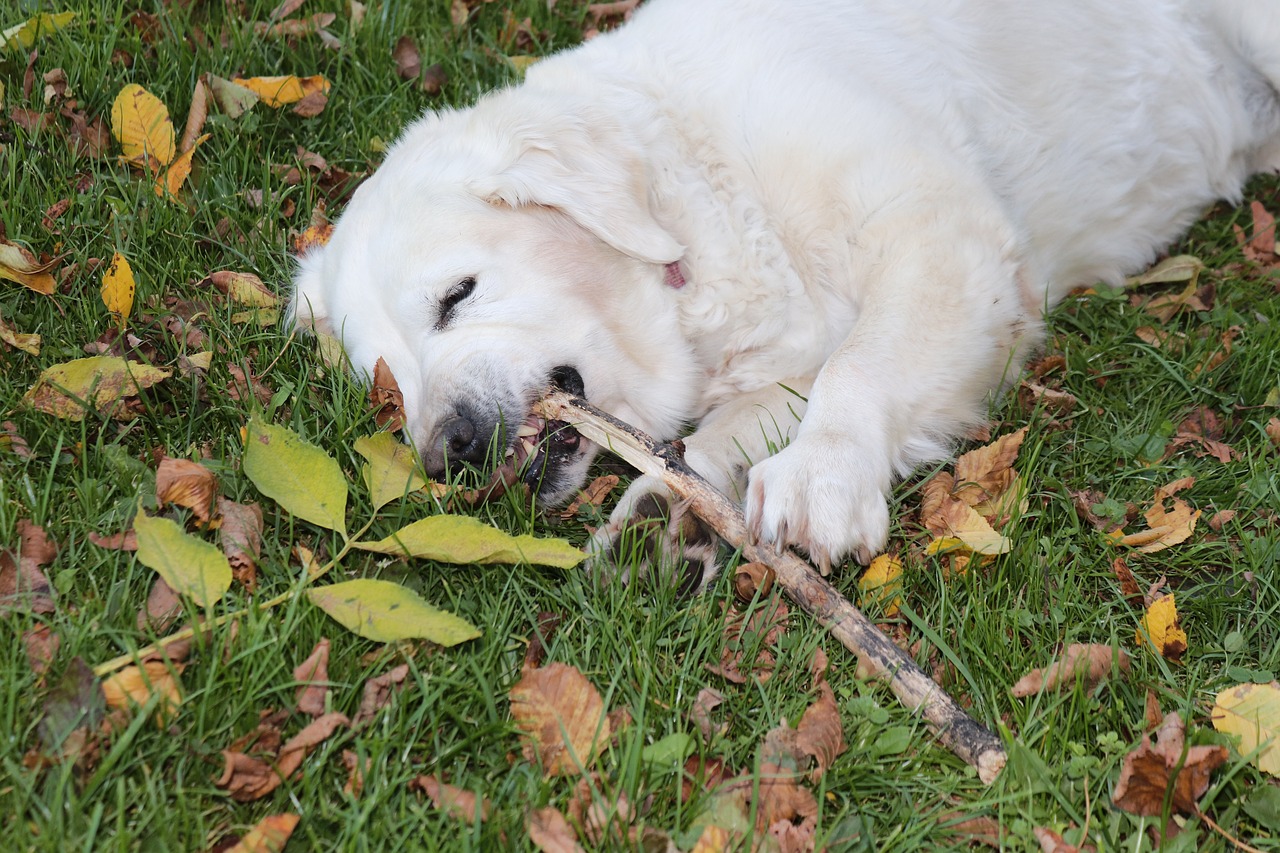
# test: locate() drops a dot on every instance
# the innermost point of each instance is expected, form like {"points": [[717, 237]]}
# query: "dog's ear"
{"points": [[589, 174], [307, 309]]}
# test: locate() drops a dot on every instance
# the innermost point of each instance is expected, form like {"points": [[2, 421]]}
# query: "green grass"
{"points": [[647, 651]]}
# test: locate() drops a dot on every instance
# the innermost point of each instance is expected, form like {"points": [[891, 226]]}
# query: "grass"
{"points": [[152, 788]]}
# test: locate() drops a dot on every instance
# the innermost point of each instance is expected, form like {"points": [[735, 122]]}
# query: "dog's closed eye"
{"points": [[453, 297]]}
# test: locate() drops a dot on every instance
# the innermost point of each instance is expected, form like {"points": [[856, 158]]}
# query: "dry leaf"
{"points": [[562, 717], [408, 59], [1165, 528], [880, 586], [456, 802], [385, 398], [757, 636], [162, 609], [594, 494], [820, 733], [377, 694], [41, 646], [241, 538], [196, 117], [19, 265], [1272, 429], [23, 586], [1150, 773], [549, 831], [241, 288], [269, 835], [751, 580], [118, 286], [168, 184], [983, 473], [978, 830], [28, 343], [1160, 628], [136, 685], [188, 484], [248, 778], [707, 700], [312, 676], [1090, 663], [281, 91]]}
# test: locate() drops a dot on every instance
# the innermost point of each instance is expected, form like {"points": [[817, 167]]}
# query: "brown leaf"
{"points": [[385, 398], [434, 79], [70, 718], [984, 473], [1272, 429], [980, 830], [1149, 773], [1221, 519], [750, 580], [138, 685], [188, 484], [820, 733], [23, 586], [1051, 400], [562, 717], [1091, 663], [593, 495], [456, 802], [241, 539], [1152, 715], [408, 59], [126, 540], [285, 9], [356, 770], [757, 636], [1261, 247], [311, 104], [247, 778], [542, 634], [12, 441], [1129, 586], [162, 609], [707, 773], [294, 27], [196, 117], [547, 827], [377, 694], [269, 835], [312, 676], [707, 700], [41, 646], [244, 385]]}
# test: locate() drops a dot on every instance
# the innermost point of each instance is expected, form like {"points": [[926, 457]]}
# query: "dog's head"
{"points": [[499, 249]]}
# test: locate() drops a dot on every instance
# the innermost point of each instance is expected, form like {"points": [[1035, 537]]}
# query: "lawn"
{"points": [[1165, 381]]}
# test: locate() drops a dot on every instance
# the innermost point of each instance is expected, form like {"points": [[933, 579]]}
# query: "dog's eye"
{"points": [[455, 295]]}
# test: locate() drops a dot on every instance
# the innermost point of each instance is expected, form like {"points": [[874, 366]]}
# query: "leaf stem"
{"points": [[188, 632]]}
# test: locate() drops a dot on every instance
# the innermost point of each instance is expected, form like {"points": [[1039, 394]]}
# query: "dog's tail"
{"points": [[1251, 28]]}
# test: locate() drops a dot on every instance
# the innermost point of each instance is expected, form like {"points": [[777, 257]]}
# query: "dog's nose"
{"points": [[459, 441]]}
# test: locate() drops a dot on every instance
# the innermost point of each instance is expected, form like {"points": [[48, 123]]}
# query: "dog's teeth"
{"points": [[527, 430], [528, 446], [511, 451]]}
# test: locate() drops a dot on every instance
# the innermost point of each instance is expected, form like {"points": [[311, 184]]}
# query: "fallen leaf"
{"points": [[296, 474], [188, 484], [170, 182], [1092, 664], [233, 99], [377, 694], [463, 539], [269, 835], [97, 383], [752, 580], [140, 123], [1051, 400], [550, 831], [1172, 269], [977, 830], [191, 566], [434, 79], [281, 91], [41, 646], [820, 732], [1272, 429], [1160, 628], [162, 609], [707, 700], [393, 470], [312, 676], [317, 233], [242, 288], [385, 398], [23, 586], [562, 719], [71, 715], [196, 117], [543, 631], [28, 343], [13, 442], [295, 27], [138, 685], [1149, 774], [985, 472], [594, 494], [311, 105], [750, 642], [118, 286], [966, 530], [385, 612], [248, 778], [1252, 713], [19, 265], [24, 35], [356, 771], [1165, 528], [1261, 247], [456, 802], [126, 540], [880, 587], [241, 538], [407, 58]]}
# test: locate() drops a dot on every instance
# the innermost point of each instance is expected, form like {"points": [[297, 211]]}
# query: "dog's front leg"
{"points": [[944, 317], [651, 533]]}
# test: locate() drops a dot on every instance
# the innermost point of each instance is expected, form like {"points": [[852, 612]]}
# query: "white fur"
{"points": [[872, 202]]}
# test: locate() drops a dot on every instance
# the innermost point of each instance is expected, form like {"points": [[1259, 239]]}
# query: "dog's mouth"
{"points": [[542, 450]]}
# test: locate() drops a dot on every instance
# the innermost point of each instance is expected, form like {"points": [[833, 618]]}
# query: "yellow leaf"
{"points": [[269, 835], [18, 264], [1160, 629], [881, 584], [140, 123], [1252, 712], [282, 91], [296, 474], [387, 612], [1176, 268], [137, 685], [393, 469], [961, 522], [264, 317], [242, 288], [28, 343], [983, 474], [521, 63], [1166, 528], [463, 539], [168, 183], [191, 566], [24, 35], [65, 390], [118, 286]]}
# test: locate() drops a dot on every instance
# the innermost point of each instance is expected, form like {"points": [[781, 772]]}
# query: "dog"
{"points": [[820, 233]]}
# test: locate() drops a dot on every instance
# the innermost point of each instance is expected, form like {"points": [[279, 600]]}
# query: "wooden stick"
{"points": [[954, 728]]}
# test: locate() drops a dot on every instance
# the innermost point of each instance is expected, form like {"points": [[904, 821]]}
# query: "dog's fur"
{"points": [[871, 203]]}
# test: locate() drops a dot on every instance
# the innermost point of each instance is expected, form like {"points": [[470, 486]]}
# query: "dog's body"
{"points": [[729, 211]]}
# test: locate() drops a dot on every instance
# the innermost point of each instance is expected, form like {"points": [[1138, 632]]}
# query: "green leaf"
{"points": [[193, 567], [463, 539], [64, 390], [296, 474], [668, 752], [386, 612], [393, 469]]}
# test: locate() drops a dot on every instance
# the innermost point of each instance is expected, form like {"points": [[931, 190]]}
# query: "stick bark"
{"points": [[955, 729]]}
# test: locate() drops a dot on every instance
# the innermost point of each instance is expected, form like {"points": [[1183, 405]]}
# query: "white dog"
{"points": [[821, 229]]}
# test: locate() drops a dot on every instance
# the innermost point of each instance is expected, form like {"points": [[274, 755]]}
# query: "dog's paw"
{"points": [[653, 536], [825, 495]]}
